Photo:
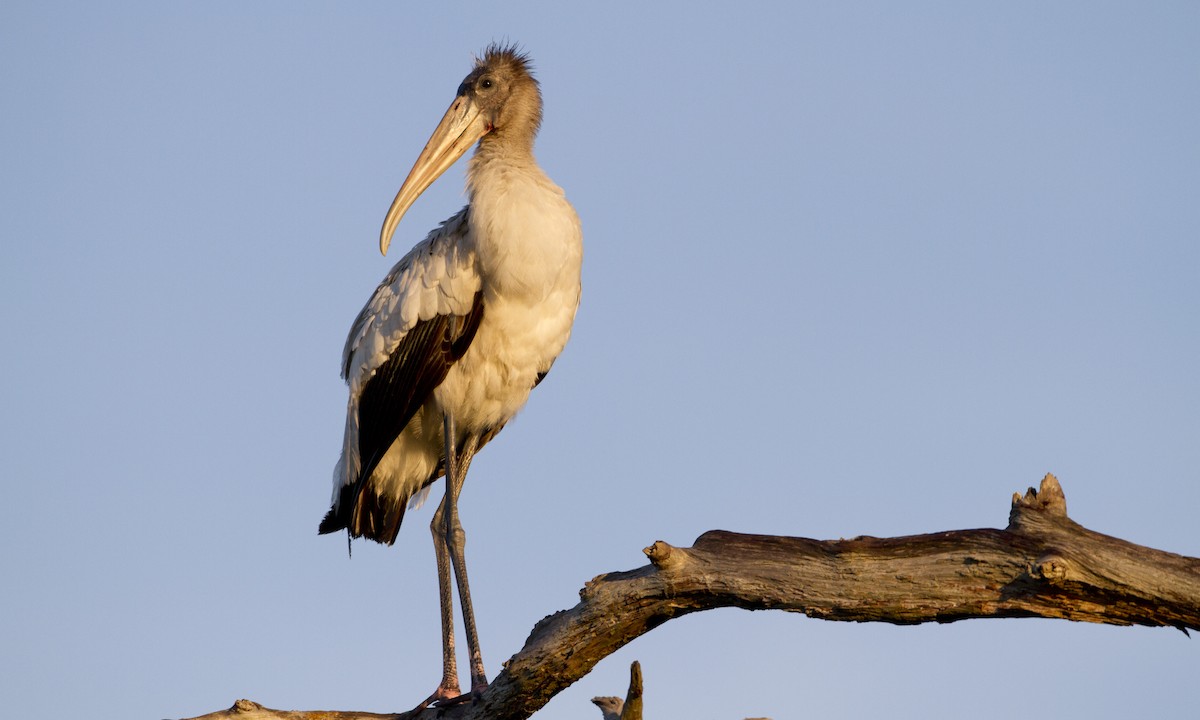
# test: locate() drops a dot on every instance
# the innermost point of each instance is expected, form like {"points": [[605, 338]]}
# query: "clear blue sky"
{"points": [[851, 269]]}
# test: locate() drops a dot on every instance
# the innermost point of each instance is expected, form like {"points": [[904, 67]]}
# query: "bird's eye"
{"points": [[486, 83]]}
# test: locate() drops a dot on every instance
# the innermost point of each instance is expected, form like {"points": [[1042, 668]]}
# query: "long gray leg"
{"points": [[457, 464], [449, 687]]}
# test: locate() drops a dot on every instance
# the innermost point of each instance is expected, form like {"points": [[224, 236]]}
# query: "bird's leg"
{"points": [[449, 687], [456, 472]]}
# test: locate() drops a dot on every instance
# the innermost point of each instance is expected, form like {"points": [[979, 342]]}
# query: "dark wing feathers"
{"points": [[389, 400]]}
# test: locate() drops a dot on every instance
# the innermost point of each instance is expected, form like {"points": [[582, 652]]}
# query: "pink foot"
{"points": [[448, 693]]}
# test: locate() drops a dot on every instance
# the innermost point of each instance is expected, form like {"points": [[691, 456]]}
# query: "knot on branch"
{"points": [[245, 706], [1052, 568], [665, 556], [1048, 500]]}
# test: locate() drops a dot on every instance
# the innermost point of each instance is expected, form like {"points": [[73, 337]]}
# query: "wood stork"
{"points": [[460, 331]]}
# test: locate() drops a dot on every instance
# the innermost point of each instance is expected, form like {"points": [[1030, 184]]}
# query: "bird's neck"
{"points": [[498, 167], [511, 144]]}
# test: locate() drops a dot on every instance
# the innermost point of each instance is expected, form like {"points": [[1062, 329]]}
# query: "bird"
{"points": [[459, 332], [610, 706]]}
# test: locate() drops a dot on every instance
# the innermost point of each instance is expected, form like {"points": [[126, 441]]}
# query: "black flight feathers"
{"points": [[389, 400]]}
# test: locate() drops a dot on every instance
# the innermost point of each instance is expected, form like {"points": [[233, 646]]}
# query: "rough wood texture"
{"points": [[250, 710], [1042, 565]]}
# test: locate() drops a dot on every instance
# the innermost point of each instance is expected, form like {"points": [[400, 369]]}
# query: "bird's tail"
{"points": [[364, 513]]}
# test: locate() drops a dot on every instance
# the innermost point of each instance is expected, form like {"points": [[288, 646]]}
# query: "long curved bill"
{"points": [[460, 128]]}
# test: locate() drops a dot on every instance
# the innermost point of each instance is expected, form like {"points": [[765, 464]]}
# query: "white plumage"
{"points": [[456, 336], [530, 297], [437, 277]]}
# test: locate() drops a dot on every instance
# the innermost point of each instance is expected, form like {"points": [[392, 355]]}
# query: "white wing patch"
{"points": [[419, 497], [437, 277]]}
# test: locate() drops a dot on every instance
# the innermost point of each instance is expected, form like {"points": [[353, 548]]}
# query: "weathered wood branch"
{"points": [[1042, 565]]}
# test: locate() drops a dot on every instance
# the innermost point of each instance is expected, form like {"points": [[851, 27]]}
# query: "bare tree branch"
{"points": [[1042, 565], [632, 709]]}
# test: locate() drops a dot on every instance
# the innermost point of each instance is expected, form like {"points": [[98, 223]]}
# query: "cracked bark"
{"points": [[1042, 565]]}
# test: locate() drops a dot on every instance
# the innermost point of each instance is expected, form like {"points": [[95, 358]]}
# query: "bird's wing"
{"points": [[400, 386], [418, 322], [437, 277]]}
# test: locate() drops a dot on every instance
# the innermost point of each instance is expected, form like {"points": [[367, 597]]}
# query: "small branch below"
{"points": [[614, 708]]}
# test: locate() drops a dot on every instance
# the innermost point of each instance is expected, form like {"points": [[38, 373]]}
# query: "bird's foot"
{"points": [[447, 694], [478, 686], [440, 700], [456, 700]]}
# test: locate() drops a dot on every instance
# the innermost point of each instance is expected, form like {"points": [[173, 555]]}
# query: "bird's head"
{"points": [[498, 103], [502, 86]]}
